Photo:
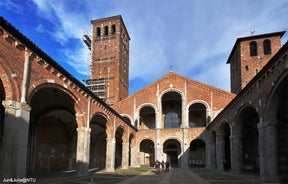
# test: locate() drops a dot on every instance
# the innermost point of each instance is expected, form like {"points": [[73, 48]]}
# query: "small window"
{"points": [[267, 47], [253, 49], [105, 30], [113, 29], [247, 68], [98, 31]]}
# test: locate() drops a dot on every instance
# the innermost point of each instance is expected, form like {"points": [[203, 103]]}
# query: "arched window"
{"points": [[267, 47], [98, 31], [113, 29], [172, 109], [105, 30], [171, 120], [253, 49], [147, 118], [197, 115]]}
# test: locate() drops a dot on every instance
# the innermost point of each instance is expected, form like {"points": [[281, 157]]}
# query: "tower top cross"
{"points": [[171, 68]]}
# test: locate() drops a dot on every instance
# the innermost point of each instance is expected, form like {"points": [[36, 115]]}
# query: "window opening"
{"points": [[106, 30], [113, 29], [98, 31], [253, 49], [267, 47]]}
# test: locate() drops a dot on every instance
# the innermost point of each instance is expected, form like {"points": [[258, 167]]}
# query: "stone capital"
{"points": [[236, 136], [83, 129], [10, 104]]}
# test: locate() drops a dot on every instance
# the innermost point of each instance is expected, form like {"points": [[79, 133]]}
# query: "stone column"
{"points": [[110, 155], [210, 156], [135, 156], [158, 151], [220, 152], [159, 123], [236, 153], [125, 155], [83, 151], [268, 158], [185, 116], [185, 149], [15, 139]]}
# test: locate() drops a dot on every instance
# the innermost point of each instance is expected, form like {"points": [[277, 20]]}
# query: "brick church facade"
{"points": [[49, 121]]}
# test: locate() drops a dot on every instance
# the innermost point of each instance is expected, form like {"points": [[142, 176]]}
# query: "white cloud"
{"points": [[190, 35], [10, 5], [79, 60]]}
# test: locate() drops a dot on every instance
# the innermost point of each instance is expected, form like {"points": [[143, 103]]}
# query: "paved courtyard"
{"points": [[174, 176]]}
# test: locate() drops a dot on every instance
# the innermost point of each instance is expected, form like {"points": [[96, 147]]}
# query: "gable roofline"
{"points": [[280, 33], [34, 48], [171, 73]]}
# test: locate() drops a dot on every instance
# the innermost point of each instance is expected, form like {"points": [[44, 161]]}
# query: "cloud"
{"points": [[195, 37], [10, 5], [79, 60]]}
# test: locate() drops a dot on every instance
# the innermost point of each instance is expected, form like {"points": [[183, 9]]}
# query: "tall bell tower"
{"points": [[109, 69], [249, 55]]}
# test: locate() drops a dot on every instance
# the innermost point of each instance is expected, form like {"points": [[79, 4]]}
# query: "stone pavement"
{"points": [[174, 176]]}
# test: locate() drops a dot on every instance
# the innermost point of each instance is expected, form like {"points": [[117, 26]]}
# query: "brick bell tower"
{"points": [[109, 69], [249, 55]]}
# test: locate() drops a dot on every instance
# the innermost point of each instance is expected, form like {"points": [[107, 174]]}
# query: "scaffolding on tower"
{"points": [[98, 87]]}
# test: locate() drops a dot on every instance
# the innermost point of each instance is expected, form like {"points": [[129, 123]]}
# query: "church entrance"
{"points": [[172, 149]]}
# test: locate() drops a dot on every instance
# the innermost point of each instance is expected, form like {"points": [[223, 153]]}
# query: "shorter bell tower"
{"points": [[249, 55]]}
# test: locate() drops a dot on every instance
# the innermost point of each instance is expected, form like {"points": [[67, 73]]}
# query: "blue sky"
{"points": [[194, 36]]}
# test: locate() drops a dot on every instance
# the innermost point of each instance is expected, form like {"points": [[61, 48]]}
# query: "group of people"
{"points": [[164, 165]]}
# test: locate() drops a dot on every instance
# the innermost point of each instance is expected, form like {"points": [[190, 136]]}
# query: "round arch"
{"points": [[145, 105], [247, 120], [137, 120], [171, 90], [172, 111], [147, 118], [52, 136], [172, 151], [223, 134], [199, 101], [147, 152], [127, 117], [131, 141], [276, 119], [275, 95], [197, 153], [98, 138], [118, 148], [198, 113], [12, 91]]}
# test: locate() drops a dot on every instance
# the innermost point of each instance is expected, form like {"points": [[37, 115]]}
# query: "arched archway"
{"points": [[224, 151], [211, 150], [172, 149], [98, 125], [52, 131], [197, 153], [147, 118], [131, 138], [282, 130], [172, 109], [118, 151], [147, 152], [197, 115], [278, 118], [249, 119]]}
